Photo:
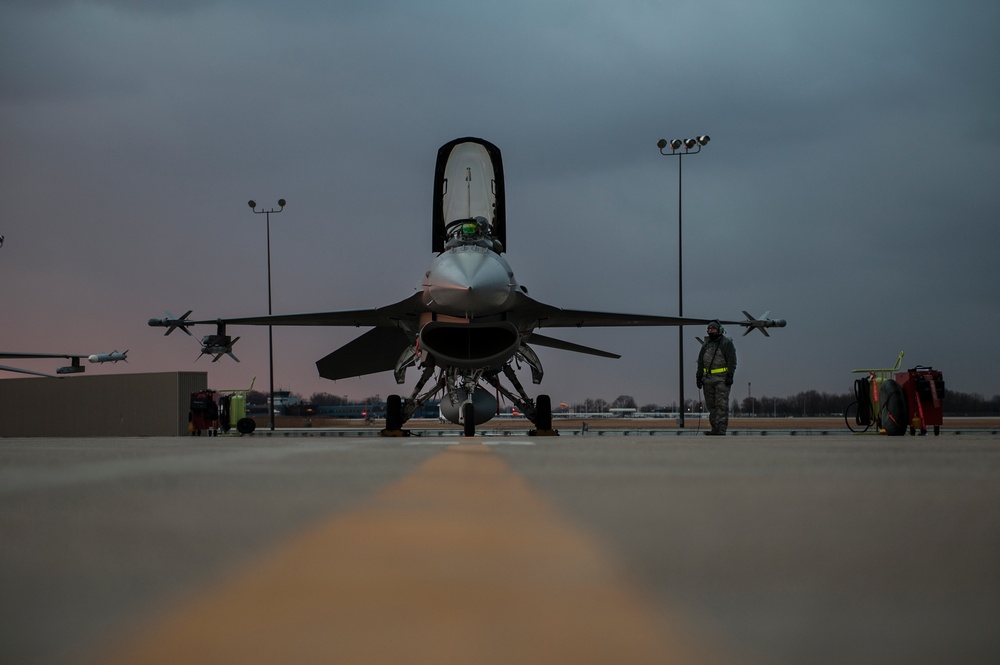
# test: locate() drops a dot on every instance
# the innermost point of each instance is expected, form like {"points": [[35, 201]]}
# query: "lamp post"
{"points": [[270, 335], [680, 148]]}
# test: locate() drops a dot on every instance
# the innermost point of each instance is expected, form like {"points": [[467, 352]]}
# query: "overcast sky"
{"points": [[851, 186]]}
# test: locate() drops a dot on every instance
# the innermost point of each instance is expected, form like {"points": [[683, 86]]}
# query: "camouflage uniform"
{"points": [[716, 369]]}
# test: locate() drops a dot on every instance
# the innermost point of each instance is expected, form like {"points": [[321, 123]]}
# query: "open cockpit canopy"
{"points": [[468, 190]]}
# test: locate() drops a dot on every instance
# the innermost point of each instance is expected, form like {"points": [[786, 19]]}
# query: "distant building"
{"points": [[282, 400]]}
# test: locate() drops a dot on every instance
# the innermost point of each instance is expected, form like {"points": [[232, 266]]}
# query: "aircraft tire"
{"points": [[543, 412], [469, 418], [394, 412], [894, 409], [246, 425]]}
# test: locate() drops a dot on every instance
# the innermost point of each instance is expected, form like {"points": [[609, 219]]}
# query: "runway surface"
{"points": [[831, 549]]}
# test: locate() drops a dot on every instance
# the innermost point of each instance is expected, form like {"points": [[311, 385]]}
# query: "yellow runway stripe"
{"points": [[459, 562]]}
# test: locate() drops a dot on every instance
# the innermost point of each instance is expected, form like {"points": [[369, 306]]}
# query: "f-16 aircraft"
{"points": [[469, 324], [73, 368]]}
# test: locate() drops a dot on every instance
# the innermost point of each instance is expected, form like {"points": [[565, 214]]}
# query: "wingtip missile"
{"points": [[112, 357], [172, 323], [761, 324]]}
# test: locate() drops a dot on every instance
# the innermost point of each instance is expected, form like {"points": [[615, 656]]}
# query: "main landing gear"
{"points": [[540, 414], [543, 417]]}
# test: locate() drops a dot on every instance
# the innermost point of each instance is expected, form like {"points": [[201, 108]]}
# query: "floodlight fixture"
{"points": [[252, 203], [690, 143], [676, 144], [703, 139], [661, 144]]}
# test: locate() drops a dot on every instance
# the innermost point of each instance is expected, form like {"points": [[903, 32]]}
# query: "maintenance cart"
{"points": [[204, 413], [894, 401], [924, 391]]}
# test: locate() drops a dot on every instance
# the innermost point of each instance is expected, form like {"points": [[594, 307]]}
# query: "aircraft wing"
{"points": [[390, 315], [24, 371], [67, 356], [547, 316], [74, 368], [528, 312], [578, 318], [395, 315]]}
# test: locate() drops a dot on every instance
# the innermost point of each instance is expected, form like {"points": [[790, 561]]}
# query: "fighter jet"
{"points": [[470, 323], [73, 368]]}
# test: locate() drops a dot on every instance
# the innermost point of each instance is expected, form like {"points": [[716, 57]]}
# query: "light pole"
{"points": [[270, 335], [679, 148]]}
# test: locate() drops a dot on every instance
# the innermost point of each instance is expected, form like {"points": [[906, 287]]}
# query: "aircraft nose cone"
{"points": [[468, 281]]}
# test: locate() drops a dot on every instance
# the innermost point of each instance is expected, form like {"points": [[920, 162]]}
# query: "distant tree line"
{"points": [[316, 399], [804, 404], [813, 403]]}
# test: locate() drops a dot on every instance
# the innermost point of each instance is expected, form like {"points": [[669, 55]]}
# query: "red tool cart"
{"points": [[204, 413], [924, 390]]}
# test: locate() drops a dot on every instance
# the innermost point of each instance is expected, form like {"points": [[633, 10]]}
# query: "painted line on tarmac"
{"points": [[461, 561]]}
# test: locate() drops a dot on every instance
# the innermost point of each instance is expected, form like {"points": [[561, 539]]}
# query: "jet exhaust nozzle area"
{"points": [[470, 345]]}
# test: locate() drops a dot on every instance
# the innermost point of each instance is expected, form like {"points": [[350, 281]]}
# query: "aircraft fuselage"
{"points": [[469, 281]]}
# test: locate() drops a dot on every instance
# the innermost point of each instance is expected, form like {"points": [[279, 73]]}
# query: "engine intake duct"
{"points": [[470, 345]]}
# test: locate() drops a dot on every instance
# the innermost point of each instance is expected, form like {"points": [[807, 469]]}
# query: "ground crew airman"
{"points": [[716, 369]]}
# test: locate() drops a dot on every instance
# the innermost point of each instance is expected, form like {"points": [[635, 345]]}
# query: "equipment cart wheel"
{"points": [[894, 408]]}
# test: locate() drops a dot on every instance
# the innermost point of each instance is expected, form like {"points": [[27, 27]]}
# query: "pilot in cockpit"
{"points": [[471, 231], [473, 228]]}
